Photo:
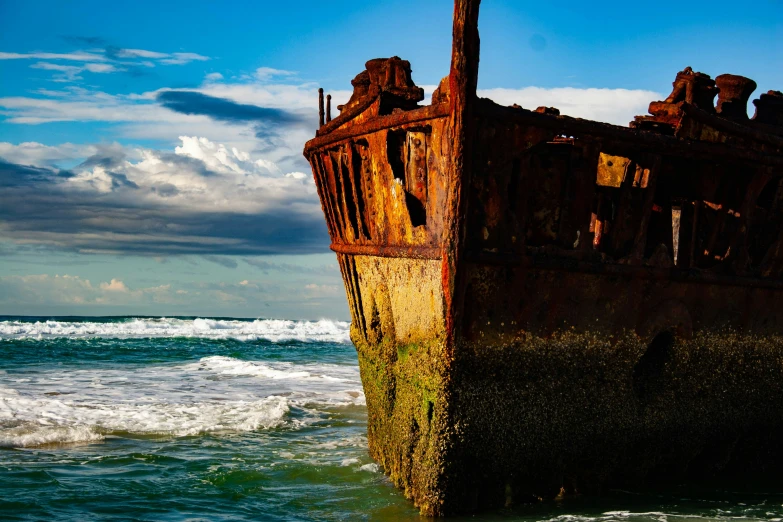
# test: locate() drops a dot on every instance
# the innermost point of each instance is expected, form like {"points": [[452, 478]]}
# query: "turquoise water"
{"points": [[224, 419]]}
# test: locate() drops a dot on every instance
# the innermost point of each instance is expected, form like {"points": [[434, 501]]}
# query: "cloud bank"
{"points": [[202, 198], [55, 293]]}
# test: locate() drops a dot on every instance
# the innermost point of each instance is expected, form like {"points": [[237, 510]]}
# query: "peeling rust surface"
{"points": [[545, 304]]}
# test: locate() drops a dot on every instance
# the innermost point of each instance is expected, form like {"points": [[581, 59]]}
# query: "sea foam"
{"points": [[215, 394], [274, 330]]}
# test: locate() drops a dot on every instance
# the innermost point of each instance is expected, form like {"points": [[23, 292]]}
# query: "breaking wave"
{"points": [[215, 394], [62, 422], [274, 330]]}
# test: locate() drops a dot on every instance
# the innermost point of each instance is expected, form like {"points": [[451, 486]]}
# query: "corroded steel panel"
{"points": [[544, 305]]}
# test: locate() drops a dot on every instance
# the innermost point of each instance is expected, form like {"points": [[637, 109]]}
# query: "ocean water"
{"points": [[227, 419]]}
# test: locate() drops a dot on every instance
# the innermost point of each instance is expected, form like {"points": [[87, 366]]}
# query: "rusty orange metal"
{"points": [[543, 304]]}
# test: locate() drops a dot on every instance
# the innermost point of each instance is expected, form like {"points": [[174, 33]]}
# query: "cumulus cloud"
{"points": [[203, 198], [115, 285]]}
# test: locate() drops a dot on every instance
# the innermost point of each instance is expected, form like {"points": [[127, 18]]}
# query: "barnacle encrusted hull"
{"points": [[542, 304], [517, 415]]}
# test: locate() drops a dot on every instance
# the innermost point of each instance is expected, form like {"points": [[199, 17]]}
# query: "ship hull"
{"points": [[562, 382], [543, 305]]}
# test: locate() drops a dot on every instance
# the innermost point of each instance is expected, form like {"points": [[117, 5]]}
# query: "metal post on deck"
{"points": [[320, 107]]}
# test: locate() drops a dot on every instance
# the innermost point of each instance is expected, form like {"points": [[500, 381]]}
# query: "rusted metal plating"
{"points": [[679, 210], [384, 183]]}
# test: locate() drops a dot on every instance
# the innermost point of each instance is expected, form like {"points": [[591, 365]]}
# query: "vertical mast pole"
{"points": [[463, 80], [463, 76], [320, 107]]}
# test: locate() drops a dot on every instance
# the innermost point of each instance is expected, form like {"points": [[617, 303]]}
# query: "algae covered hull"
{"points": [[544, 305]]}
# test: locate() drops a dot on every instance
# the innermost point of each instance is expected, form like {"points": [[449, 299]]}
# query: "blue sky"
{"points": [[150, 153]]}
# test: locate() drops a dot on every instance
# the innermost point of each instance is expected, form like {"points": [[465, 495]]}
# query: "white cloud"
{"points": [[77, 56], [183, 58], [115, 285], [292, 96], [71, 72], [102, 68], [66, 72], [44, 293], [213, 77], [266, 73], [86, 106], [57, 67], [221, 159], [141, 117], [314, 290], [108, 61], [140, 53], [38, 154], [45, 289], [617, 106], [82, 56]]}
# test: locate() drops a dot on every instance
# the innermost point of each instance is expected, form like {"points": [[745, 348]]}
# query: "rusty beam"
{"points": [[564, 262], [731, 127], [614, 137], [640, 242], [738, 248], [389, 121], [406, 251]]}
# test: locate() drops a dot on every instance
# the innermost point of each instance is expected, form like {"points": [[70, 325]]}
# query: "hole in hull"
{"points": [[648, 373], [416, 210]]}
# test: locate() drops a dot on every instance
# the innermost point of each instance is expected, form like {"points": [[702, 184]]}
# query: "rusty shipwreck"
{"points": [[543, 304]]}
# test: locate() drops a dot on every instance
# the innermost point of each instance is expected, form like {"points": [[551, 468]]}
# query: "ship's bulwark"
{"points": [[517, 416], [543, 305]]}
